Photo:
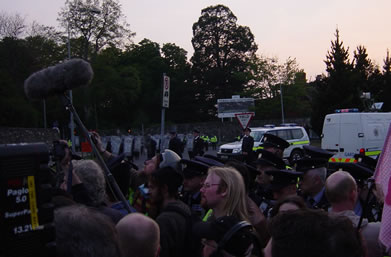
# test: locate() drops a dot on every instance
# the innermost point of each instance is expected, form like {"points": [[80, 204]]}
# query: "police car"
{"points": [[295, 135]]}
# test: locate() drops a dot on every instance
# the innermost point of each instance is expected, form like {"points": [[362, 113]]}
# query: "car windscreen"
{"points": [[257, 135]]}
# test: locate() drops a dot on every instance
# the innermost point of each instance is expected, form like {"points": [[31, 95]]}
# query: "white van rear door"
{"points": [[331, 133]]}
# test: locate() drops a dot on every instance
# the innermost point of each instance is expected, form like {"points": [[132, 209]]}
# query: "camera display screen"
{"points": [[22, 175]]}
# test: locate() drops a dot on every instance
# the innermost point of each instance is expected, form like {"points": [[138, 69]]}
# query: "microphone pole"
{"points": [[109, 176]]}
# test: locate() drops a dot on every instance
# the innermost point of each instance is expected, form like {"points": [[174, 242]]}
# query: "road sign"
{"points": [[166, 91], [244, 118]]}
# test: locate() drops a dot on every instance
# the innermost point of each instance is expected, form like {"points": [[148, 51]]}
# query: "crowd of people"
{"points": [[204, 206]]}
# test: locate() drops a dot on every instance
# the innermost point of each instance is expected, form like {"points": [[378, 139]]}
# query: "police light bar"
{"points": [[288, 125], [346, 110]]}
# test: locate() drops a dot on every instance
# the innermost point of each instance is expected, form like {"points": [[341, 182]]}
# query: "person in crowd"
{"points": [[84, 232], [151, 147], [166, 159], [175, 144], [198, 144], [121, 169], [362, 171], [224, 192], [218, 241], [255, 215], [139, 236], [274, 144], [314, 167], [206, 142], [174, 216], [341, 191], [266, 162], [311, 233], [213, 141], [88, 175], [284, 183], [312, 182], [139, 197], [247, 146], [194, 173], [289, 203]]}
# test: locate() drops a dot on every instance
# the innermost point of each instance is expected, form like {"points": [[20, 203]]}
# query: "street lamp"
{"points": [[282, 105], [72, 123]]}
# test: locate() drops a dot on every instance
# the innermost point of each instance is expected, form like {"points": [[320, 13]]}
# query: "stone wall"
{"points": [[28, 135]]}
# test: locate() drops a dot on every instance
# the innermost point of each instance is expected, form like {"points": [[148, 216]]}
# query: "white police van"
{"points": [[348, 132], [295, 135]]}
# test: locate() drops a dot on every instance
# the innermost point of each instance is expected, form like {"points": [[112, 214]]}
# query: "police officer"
{"points": [[247, 146], [198, 144], [263, 195], [175, 143], [194, 173], [274, 144], [213, 140], [312, 185]]}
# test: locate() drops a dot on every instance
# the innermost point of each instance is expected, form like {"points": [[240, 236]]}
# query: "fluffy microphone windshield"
{"points": [[58, 79]]}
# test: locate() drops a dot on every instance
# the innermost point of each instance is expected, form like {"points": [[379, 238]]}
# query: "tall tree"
{"points": [[338, 89], [385, 95], [98, 23], [222, 51], [11, 25], [363, 69], [182, 101]]}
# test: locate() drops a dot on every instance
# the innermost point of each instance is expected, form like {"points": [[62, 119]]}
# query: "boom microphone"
{"points": [[58, 79]]}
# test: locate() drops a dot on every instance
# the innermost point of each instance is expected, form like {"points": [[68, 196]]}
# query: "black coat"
{"points": [[247, 146], [173, 229], [198, 146], [176, 145]]}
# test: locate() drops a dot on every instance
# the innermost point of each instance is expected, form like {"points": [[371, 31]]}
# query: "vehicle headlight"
{"points": [[236, 150]]}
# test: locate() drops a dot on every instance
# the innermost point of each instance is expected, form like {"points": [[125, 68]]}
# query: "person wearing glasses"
{"points": [[223, 191]]}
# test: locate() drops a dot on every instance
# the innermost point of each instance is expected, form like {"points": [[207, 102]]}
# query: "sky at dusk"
{"points": [[301, 29]]}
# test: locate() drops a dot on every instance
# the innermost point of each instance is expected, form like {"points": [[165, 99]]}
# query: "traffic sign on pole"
{"points": [[166, 91], [244, 118]]}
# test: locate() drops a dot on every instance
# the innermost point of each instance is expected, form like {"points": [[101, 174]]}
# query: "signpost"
{"points": [[166, 91], [244, 118], [165, 104]]}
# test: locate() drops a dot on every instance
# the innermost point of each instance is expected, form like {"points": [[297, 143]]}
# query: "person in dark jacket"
{"points": [[198, 144], [175, 144], [174, 217], [247, 146]]}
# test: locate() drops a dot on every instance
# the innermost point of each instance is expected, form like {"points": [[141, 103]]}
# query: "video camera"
{"points": [[26, 211]]}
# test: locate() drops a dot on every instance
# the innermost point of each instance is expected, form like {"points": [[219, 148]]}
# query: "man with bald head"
{"points": [[341, 191], [139, 236]]}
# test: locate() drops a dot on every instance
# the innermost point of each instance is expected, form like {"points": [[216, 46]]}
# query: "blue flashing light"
{"points": [[346, 110]]}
